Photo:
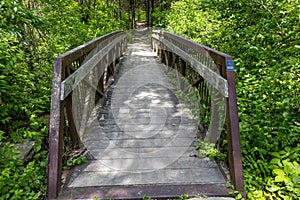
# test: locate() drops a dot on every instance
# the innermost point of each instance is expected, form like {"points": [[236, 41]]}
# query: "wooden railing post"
{"points": [[234, 146], [55, 131]]}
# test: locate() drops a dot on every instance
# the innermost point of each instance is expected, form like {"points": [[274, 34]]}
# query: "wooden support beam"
{"points": [[234, 146], [76, 142], [56, 127]]}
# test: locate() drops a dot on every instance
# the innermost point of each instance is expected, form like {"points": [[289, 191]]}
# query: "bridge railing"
{"points": [[74, 83], [211, 74]]}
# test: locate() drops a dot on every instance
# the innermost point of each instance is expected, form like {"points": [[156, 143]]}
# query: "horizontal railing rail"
{"points": [[211, 73], [71, 71]]}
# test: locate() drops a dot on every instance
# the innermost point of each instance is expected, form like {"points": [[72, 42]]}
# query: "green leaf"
{"points": [[278, 172], [282, 178], [276, 161], [238, 196], [276, 154], [69, 164], [296, 180]]}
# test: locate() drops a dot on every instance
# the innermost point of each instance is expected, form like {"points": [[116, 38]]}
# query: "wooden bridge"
{"points": [[138, 102]]}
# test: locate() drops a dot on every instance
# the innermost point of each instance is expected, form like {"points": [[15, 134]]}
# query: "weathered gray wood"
{"points": [[78, 52], [143, 133], [201, 67], [73, 80], [143, 164], [164, 176]]}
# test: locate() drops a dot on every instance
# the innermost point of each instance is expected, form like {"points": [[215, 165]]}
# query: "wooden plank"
{"points": [[153, 191], [198, 47], [143, 164], [149, 177]]}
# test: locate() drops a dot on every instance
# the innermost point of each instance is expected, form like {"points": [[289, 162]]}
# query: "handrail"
{"points": [[217, 69], [66, 68]]}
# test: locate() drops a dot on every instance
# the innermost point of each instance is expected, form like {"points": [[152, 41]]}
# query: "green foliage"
{"points": [[75, 161], [185, 196], [182, 197], [188, 18], [263, 37], [207, 149], [18, 181], [32, 33], [145, 197], [282, 175]]}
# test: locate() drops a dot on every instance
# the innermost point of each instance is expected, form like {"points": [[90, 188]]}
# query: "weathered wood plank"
{"points": [[154, 191], [144, 164], [151, 177]]}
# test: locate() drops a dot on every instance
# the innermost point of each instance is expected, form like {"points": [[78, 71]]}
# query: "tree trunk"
{"points": [[120, 10], [148, 12], [132, 13], [152, 10]]}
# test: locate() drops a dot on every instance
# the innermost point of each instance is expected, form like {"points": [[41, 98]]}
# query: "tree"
{"points": [[132, 13]]}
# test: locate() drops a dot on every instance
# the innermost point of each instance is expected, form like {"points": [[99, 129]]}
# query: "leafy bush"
{"points": [[18, 181]]}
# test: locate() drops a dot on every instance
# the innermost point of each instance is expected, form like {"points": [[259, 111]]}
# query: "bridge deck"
{"points": [[142, 136]]}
